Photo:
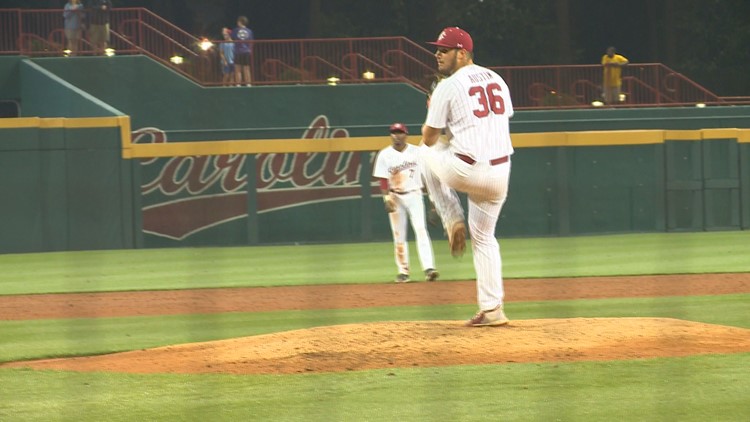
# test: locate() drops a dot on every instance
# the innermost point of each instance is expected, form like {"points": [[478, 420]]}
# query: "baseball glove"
{"points": [[433, 218], [390, 204]]}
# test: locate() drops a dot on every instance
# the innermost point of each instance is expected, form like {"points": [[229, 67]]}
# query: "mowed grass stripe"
{"points": [[360, 263]]}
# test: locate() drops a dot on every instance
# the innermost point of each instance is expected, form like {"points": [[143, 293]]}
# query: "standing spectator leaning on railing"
{"points": [[98, 21], [73, 16], [243, 50], [226, 52], [612, 64]]}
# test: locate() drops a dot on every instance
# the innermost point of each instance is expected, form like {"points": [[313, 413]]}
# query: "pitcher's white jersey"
{"points": [[475, 103], [402, 169]]}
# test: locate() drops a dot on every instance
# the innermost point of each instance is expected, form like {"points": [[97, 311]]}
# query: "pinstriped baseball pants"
{"points": [[486, 187]]}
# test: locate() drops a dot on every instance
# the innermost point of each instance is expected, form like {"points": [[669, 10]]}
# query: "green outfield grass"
{"points": [[153, 269], [697, 388]]}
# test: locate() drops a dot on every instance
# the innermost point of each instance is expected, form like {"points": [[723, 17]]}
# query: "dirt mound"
{"points": [[354, 347]]}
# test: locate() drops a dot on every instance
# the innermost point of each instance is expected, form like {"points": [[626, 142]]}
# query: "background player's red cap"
{"points": [[454, 37], [399, 127]]}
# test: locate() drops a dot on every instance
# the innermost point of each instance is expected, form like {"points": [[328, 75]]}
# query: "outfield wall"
{"points": [[64, 185], [130, 155]]}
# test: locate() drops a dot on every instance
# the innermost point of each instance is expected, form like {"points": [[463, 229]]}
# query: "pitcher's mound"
{"points": [[355, 347]]}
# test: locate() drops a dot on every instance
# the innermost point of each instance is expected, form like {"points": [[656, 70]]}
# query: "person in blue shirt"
{"points": [[73, 16], [243, 50], [226, 51]]}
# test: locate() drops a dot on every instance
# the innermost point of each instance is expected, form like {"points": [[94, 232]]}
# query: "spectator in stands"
{"points": [[73, 16], [226, 51], [612, 64], [243, 50], [98, 21]]}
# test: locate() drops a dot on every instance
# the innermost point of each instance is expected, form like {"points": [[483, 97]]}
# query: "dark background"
{"points": [[707, 40]]}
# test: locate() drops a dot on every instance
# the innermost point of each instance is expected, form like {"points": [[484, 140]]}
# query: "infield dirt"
{"points": [[352, 347]]}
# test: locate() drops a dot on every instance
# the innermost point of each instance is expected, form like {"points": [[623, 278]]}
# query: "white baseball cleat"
{"points": [[493, 317], [431, 274], [402, 278]]}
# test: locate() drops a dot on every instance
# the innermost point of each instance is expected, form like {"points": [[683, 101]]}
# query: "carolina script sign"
{"points": [[186, 195]]}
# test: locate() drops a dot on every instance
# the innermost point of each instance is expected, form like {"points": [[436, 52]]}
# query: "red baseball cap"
{"points": [[454, 37], [399, 127]]}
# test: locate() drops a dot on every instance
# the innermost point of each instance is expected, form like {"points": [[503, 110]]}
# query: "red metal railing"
{"points": [[643, 84], [38, 33]]}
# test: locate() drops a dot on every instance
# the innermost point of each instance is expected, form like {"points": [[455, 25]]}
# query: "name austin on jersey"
{"points": [[406, 165], [480, 77]]}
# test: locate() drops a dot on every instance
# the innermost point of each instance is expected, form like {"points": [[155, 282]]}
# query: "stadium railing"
{"points": [[39, 33]]}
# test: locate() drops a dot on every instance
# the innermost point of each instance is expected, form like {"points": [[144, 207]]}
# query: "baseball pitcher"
{"points": [[472, 106]]}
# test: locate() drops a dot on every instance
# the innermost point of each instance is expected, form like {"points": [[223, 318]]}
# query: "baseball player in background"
{"points": [[399, 169], [472, 106]]}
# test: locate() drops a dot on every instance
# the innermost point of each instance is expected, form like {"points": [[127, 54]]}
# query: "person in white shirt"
{"points": [[399, 169], [472, 106]]}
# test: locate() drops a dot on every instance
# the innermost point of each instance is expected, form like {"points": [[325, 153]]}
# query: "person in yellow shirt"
{"points": [[612, 64]]}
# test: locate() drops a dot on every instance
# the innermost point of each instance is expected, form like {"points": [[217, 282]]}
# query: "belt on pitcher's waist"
{"points": [[401, 192], [468, 160]]}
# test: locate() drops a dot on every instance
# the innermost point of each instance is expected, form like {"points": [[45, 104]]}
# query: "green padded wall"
{"points": [[68, 187], [64, 189]]}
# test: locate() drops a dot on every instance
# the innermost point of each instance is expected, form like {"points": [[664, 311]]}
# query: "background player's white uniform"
{"points": [[403, 169], [474, 103]]}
